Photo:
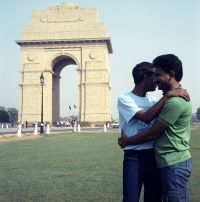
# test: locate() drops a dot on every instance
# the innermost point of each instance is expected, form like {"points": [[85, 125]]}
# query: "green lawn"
{"points": [[70, 167], [195, 178]]}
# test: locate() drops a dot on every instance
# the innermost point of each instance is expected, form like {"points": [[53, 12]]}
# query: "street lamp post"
{"points": [[41, 123]]}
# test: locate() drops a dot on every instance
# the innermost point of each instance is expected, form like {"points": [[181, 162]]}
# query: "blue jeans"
{"points": [[175, 181], [139, 167]]}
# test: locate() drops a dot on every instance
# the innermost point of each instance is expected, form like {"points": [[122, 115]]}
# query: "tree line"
{"points": [[8, 115]]}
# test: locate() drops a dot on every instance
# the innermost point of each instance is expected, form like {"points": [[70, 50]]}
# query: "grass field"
{"points": [[195, 178], [81, 167]]}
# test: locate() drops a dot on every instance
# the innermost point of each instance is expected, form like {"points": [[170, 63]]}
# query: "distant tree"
{"points": [[4, 116], [194, 119], [198, 113], [12, 110], [13, 113], [2, 108]]}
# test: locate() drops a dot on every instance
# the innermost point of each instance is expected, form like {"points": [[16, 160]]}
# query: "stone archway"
{"points": [[57, 65], [60, 36]]}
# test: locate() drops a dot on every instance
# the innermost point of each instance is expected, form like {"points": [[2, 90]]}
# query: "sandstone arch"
{"points": [[57, 37]]}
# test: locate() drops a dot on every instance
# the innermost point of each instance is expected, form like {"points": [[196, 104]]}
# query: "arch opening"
{"points": [[63, 91]]}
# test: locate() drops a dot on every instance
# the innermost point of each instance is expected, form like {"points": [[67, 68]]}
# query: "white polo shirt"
{"points": [[128, 105]]}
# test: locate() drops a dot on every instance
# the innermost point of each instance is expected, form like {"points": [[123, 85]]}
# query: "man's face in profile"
{"points": [[161, 79], [150, 81]]}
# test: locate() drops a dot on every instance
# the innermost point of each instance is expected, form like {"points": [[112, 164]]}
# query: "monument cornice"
{"points": [[67, 42], [27, 84], [92, 83]]}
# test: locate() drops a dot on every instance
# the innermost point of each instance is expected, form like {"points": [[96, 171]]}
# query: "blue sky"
{"points": [[139, 30]]}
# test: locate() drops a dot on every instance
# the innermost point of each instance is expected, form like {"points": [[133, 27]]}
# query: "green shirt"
{"points": [[172, 146]]}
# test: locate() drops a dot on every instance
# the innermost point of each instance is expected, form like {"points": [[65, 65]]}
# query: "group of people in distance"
{"points": [[155, 134]]}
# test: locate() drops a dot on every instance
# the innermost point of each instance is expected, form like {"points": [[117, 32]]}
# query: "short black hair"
{"points": [[168, 63], [141, 69]]}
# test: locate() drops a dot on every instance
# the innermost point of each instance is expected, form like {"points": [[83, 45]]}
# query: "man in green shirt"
{"points": [[171, 131]]}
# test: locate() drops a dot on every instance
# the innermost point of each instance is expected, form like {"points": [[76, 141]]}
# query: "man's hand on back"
{"points": [[122, 141]]}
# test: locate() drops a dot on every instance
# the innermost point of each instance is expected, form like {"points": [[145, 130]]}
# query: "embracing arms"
{"points": [[153, 112], [152, 133]]}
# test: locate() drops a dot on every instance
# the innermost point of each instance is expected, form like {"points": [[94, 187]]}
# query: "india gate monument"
{"points": [[57, 37]]}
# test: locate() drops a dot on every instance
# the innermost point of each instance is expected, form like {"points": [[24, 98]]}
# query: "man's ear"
{"points": [[172, 74], [145, 77]]}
